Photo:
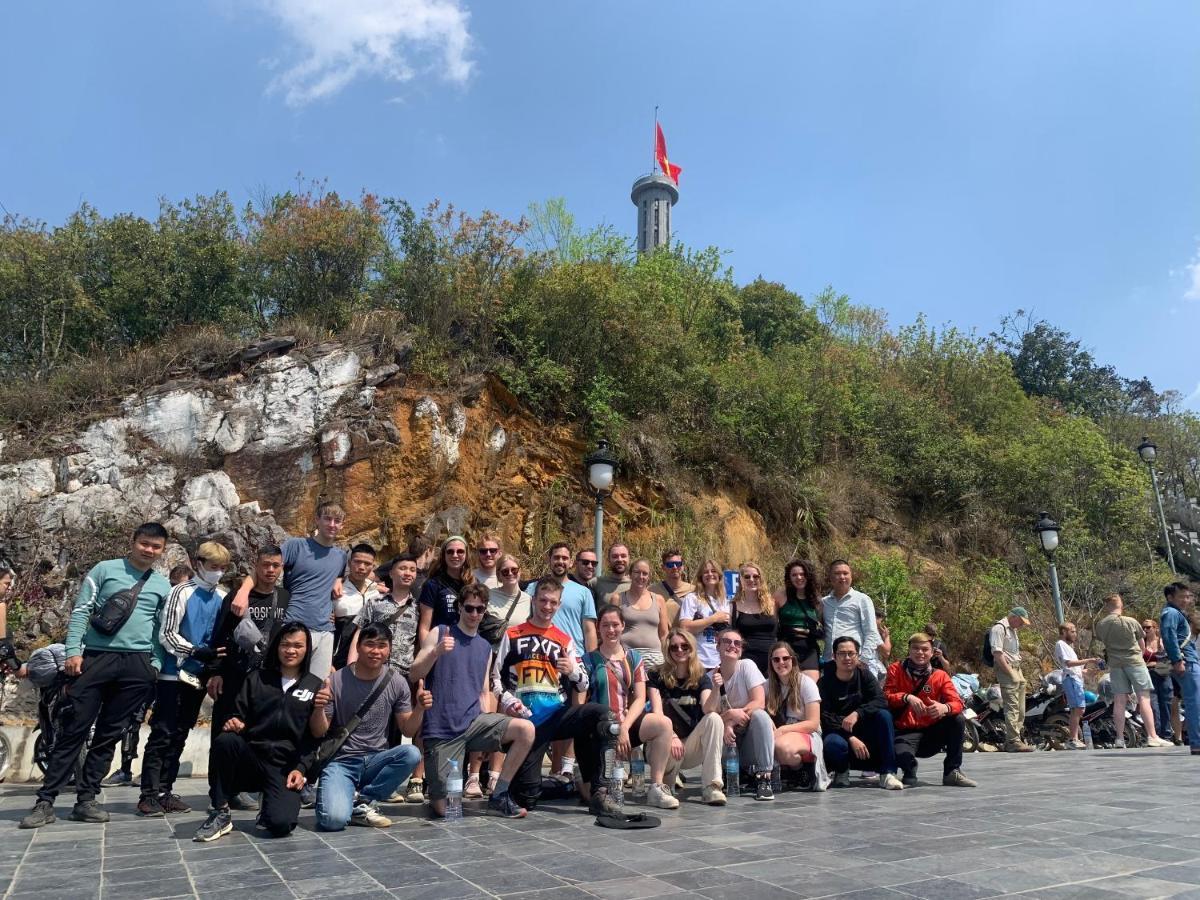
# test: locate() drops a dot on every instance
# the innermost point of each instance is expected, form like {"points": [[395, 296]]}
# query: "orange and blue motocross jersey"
{"points": [[526, 659]]}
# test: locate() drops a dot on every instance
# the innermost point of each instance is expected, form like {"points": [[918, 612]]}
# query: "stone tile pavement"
{"points": [[1092, 825]]}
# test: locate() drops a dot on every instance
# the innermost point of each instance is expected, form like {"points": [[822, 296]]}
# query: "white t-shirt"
{"points": [[808, 694], [499, 602], [351, 601], [693, 607], [745, 679], [1063, 654], [488, 581], [286, 683]]}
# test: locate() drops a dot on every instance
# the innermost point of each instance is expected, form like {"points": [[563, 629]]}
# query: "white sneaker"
{"points": [[1074, 745], [369, 817], [659, 796], [713, 795], [1158, 742], [1119, 745], [889, 782]]}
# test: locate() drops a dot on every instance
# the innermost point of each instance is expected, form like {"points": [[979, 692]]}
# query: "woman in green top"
{"points": [[800, 615]]}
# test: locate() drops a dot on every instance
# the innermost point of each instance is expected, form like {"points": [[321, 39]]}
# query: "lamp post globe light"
{"points": [[600, 466], [1148, 451], [1047, 531]]}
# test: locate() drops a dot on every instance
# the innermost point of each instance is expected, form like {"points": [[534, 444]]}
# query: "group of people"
{"points": [[343, 683]]}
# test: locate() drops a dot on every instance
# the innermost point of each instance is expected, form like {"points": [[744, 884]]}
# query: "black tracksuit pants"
{"points": [[176, 709], [233, 767], [112, 686], [578, 723], [944, 734]]}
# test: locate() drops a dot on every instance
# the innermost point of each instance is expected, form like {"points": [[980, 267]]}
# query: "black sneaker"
{"points": [[89, 811], [148, 807], [41, 814], [308, 796], [173, 803], [910, 777], [505, 806], [119, 778], [763, 789], [243, 801], [216, 825]]}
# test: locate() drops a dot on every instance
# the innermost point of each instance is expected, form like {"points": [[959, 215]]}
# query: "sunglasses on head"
{"points": [[509, 571], [473, 609]]}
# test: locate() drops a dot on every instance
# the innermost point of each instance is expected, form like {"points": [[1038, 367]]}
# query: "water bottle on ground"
{"points": [[637, 775], [732, 766], [1087, 736], [454, 793], [776, 779], [614, 775]]}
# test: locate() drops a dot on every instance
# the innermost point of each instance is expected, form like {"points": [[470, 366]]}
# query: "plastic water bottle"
{"points": [[732, 765], [1087, 736], [637, 774], [777, 779], [614, 774], [454, 793]]}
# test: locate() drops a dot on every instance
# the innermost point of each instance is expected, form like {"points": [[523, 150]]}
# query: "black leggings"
{"points": [[579, 723], [233, 767], [176, 709]]}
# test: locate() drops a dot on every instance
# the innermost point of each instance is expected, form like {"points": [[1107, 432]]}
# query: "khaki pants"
{"points": [[703, 747], [1013, 695]]}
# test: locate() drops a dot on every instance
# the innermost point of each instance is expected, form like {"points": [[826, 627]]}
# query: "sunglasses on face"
{"points": [[509, 571], [781, 659], [474, 610], [673, 564], [751, 577], [731, 643], [586, 562], [846, 654], [488, 551], [680, 648], [454, 551]]}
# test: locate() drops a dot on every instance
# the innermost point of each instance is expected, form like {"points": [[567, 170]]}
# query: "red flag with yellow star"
{"points": [[660, 153]]}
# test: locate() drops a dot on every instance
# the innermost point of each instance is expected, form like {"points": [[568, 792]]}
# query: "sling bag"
{"points": [[332, 742], [115, 611]]}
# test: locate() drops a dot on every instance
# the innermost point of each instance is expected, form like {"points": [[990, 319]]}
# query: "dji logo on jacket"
{"points": [[303, 695]]}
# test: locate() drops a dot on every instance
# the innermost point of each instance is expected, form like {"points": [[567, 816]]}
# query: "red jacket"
{"points": [[938, 688]]}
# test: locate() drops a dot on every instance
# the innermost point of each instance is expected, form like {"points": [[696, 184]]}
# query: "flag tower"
{"points": [[654, 195]]}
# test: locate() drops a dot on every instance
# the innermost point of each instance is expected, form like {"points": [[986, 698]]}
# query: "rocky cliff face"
{"points": [[244, 457]]}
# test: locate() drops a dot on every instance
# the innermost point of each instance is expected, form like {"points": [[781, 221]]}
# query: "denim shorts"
{"points": [[1073, 691]]}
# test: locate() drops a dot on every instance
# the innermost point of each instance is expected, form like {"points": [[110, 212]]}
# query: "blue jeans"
{"points": [[877, 732], [373, 777], [1161, 704], [1190, 682]]}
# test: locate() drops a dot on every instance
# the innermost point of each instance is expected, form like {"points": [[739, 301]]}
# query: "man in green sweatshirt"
{"points": [[113, 673]]}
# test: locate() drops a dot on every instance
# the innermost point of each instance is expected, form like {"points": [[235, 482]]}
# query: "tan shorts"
{"points": [[1127, 679], [483, 735]]}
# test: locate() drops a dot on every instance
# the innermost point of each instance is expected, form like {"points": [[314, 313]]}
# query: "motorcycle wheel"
{"points": [[1054, 733], [970, 737], [6, 755], [41, 751], [1135, 736]]}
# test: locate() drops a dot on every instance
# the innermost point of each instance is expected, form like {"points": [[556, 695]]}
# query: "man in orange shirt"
{"points": [[928, 713]]}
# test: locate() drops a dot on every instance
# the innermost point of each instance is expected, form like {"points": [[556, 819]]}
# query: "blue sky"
{"points": [[957, 160]]}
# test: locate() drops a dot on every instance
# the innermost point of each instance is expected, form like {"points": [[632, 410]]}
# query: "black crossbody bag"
{"points": [[332, 742], [115, 611]]}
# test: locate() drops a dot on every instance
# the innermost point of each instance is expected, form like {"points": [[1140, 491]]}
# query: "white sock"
{"points": [[568, 765]]}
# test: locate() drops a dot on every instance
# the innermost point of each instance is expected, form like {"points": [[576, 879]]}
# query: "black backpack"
{"points": [[988, 659]]}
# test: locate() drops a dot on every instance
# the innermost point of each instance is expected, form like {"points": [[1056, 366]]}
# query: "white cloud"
{"points": [[338, 41], [1192, 273]]}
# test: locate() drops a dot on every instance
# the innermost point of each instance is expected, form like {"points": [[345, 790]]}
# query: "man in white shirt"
{"points": [[1072, 679], [852, 613]]}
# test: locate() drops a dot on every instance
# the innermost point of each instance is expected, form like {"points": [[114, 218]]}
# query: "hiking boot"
{"points": [[119, 778], [216, 825], [366, 815], [243, 801], [416, 791], [1019, 747], [41, 814], [472, 790], [713, 795], [659, 796], [150, 808], [763, 789], [957, 779], [840, 780], [602, 804], [505, 806], [1158, 742], [889, 782], [910, 777], [173, 803], [89, 811]]}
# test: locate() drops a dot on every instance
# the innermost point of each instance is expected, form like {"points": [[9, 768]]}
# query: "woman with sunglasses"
{"points": [[754, 616], [794, 705], [617, 679], [1159, 665], [448, 575], [705, 613], [681, 690], [644, 613], [800, 615], [743, 701]]}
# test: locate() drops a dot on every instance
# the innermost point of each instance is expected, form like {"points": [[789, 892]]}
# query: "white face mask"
{"points": [[209, 577]]}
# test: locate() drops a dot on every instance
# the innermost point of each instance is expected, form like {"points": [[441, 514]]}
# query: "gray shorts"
{"points": [[483, 735], [1126, 679]]}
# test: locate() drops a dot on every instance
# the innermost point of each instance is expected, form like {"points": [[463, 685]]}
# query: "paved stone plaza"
{"points": [[1088, 825]]}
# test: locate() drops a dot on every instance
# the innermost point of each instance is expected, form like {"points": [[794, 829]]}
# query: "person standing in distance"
{"points": [[487, 554], [114, 671], [1124, 645], [1006, 651]]}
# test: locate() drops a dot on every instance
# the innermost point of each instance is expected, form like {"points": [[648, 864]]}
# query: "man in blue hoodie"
{"points": [[189, 621], [114, 671]]}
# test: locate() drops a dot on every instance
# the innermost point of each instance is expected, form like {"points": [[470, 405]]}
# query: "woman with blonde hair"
{"points": [[705, 613], [681, 690], [794, 705], [754, 615], [645, 614]]}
